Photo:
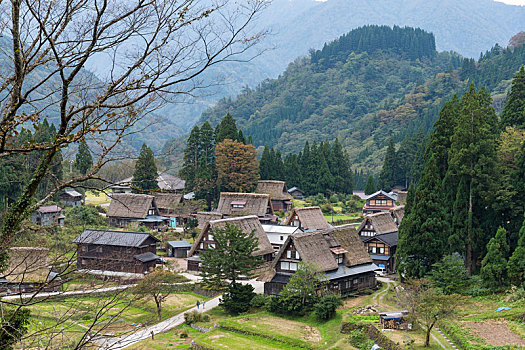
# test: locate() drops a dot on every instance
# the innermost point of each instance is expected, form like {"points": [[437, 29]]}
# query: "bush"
{"points": [[237, 298], [194, 317], [291, 304], [450, 275], [325, 308], [259, 301], [476, 289], [184, 335], [84, 216]]}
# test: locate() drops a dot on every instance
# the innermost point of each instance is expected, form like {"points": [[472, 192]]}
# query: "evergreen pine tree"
{"points": [[388, 173], [227, 129], [240, 137], [516, 264], [278, 166], [494, 264], [423, 232], [145, 175], [265, 164], [83, 160], [514, 111], [370, 186], [191, 159]]}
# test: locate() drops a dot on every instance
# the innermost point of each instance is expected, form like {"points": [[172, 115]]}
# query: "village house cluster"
{"points": [[350, 257]]}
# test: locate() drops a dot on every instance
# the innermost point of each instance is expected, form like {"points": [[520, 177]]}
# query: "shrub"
{"points": [[237, 298], [184, 334], [193, 317], [450, 275], [84, 216], [260, 300], [205, 318], [325, 308]]}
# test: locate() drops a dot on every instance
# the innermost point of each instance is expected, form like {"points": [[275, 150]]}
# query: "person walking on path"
{"points": [[203, 302], [198, 304]]}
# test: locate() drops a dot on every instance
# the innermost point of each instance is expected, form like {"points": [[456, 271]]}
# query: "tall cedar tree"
{"points": [[423, 232], [514, 111], [83, 159], [145, 175], [265, 165], [494, 264], [191, 158], [237, 166], [472, 164], [387, 177], [516, 265], [370, 186], [231, 258], [227, 129]]}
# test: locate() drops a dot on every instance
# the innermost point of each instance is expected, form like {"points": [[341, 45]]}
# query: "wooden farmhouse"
{"points": [[29, 271], [379, 233], [277, 234], [246, 223], [297, 193], [132, 210], [169, 205], [203, 217], [165, 181], [243, 204], [50, 215], [281, 199], [119, 251], [338, 252], [379, 202], [71, 198], [307, 218]]}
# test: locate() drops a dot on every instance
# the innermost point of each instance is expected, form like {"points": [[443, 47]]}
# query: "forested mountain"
{"points": [[372, 83]]}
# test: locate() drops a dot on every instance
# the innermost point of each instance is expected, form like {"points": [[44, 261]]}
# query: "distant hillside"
{"points": [[370, 83], [467, 27]]}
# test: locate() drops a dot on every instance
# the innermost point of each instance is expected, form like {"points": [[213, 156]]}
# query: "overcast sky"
{"points": [[513, 2]]}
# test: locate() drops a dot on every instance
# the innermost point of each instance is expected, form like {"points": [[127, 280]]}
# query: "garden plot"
{"points": [[496, 332]]}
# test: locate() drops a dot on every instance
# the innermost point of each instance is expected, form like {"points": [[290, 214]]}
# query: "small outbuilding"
{"points": [[49, 215], [297, 193], [71, 198], [178, 249], [394, 320]]}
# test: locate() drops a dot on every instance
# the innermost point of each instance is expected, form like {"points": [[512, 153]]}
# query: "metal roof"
{"points": [[146, 257], [72, 192], [380, 257], [344, 271], [50, 209], [114, 238], [389, 195], [179, 244], [280, 229], [387, 238], [154, 218]]}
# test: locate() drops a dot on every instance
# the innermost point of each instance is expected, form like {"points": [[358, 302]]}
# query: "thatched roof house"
{"points": [[281, 199], [203, 217], [382, 249], [398, 213], [338, 252], [127, 208], [401, 197], [167, 202], [376, 224], [242, 204], [165, 181], [379, 201], [307, 218], [246, 223]]}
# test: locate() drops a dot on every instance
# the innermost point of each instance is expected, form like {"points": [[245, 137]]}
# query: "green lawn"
{"points": [[96, 199], [222, 339]]}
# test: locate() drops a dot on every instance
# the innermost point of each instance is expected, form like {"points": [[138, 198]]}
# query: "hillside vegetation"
{"points": [[371, 83]]}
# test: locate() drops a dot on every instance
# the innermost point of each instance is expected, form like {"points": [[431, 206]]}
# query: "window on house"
{"points": [[211, 245], [288, 266], [382, 250], [297, 255], [201, 246], [238, 204], [356, 281], [373, 249], [339, 258], [84, 248], [210, 237], [288, 254], [99, 249], [84, 261], [282, 238], [151, 212], [293, 266]]}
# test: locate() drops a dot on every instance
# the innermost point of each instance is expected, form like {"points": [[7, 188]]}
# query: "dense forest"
{"points": [[363, 98], [469, 198]]}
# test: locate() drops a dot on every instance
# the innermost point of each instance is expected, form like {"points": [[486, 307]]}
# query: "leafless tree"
{"points": [[153, 51]]}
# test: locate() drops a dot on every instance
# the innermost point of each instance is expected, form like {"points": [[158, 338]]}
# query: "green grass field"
{"points": [[96, 199]]}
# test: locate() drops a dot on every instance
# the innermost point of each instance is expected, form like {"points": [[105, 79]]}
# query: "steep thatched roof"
{"points": [[319, 248], [247, 224], [402, 197], [128, 205], [276, 189], [398, 213], [309, 218], [113, 238], [27, 264], [254, 204], [167, 200], [165, 181], [382, 222], [203, 217], [349, 239]]}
